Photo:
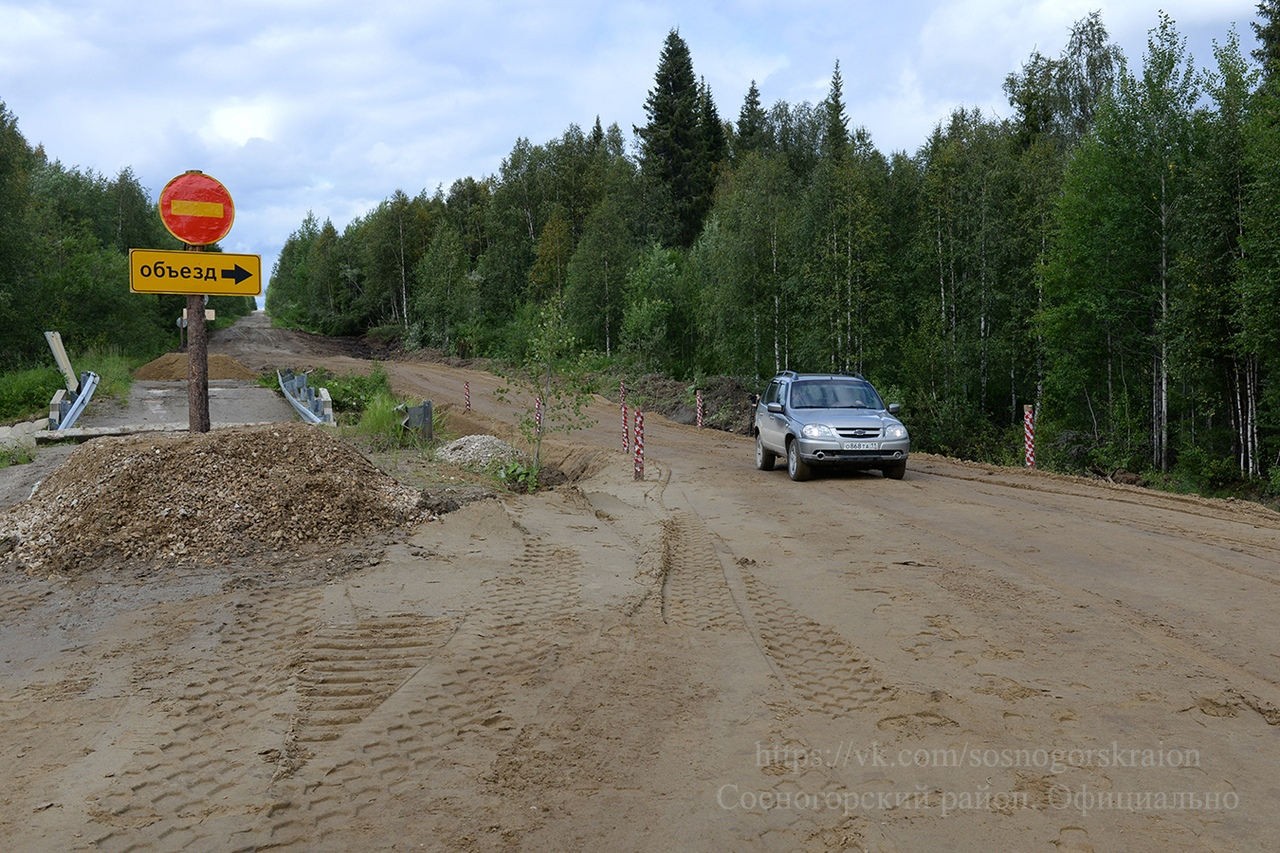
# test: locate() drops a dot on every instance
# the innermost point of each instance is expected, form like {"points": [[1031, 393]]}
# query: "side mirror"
{"points": [[775, 408], [894, 409]]}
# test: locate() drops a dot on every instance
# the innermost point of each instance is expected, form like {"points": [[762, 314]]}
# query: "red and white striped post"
{"points": [[626, 424], [1029, 431], [466, 396], [537, 414], [639, 445], [699, 408]]}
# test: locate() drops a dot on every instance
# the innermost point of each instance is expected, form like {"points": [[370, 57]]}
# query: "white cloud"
{"points": [[330, 106]]}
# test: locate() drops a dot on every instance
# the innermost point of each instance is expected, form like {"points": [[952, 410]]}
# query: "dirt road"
{"points": [[716, 658]]}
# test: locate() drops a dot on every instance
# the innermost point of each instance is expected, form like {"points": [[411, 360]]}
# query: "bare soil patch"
{"points": [[175, 366], [727, 404], [711, 657]]}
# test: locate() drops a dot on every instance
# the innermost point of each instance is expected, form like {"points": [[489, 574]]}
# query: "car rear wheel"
{"points": [[796, 467], [895, 471], [765, 459]]}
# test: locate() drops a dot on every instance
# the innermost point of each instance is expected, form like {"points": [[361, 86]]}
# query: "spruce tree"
{"points": [[1268, 32], [669, 152], [752, 131], [835, 134], [712, 151]]}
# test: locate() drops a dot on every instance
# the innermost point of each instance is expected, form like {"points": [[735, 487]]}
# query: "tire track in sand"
{"points": [[403, 757]]}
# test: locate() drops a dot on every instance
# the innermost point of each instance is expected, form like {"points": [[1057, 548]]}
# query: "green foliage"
{"points": [[1057, 99], [1107, 253], [15, 454], [680, 149], [656, 324], [352, 393], [25, 394], [114, 369], [1267, 31], [595, 278], [517, 476], [64, 238], [386, 336], [447, 295], [380, 422], [548, 383]]}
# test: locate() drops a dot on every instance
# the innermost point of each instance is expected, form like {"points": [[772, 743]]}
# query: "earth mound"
{"points": [[727, 403], [204, 498], [173, 366]]}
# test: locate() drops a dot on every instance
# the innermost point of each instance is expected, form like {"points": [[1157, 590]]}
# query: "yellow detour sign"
{"points": [[194, 273]]}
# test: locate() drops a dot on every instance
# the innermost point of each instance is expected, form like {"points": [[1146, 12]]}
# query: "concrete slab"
{"points": [[151, 403]]}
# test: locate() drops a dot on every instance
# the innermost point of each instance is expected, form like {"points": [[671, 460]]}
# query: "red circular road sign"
{"points": [[197, 209]]}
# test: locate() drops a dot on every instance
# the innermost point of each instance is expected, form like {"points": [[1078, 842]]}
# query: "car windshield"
{"points": [[834, 394]]}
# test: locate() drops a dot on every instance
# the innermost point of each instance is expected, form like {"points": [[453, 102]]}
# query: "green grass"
{"points": [[15, 454], [380, 424], [25, 394], [352, 393], [115, 372]]}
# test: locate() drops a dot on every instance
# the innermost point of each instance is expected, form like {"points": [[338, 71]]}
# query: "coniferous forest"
{"points": [[1109, 253], [65, 236]]}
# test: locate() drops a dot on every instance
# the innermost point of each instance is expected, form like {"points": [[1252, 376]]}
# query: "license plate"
{"points": [[860, 445]]}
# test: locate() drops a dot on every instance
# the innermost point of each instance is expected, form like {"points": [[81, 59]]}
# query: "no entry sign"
{"points": [[197, 209]]}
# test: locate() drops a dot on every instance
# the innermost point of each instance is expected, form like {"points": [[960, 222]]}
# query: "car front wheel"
{"points": [[895, 471], [765, 459], [796, 467]]}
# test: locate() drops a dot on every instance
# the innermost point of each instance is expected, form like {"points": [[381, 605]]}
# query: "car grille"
{"points": [[858, 432]]}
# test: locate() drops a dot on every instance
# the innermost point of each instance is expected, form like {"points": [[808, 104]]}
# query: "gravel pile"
{"points": [[203, 498], [479, 452]]}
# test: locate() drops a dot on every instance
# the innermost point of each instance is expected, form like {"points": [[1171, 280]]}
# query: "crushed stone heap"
{"points": [[203, 497], [478, 452]]}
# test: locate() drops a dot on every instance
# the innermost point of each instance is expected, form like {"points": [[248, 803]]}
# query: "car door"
{"points": [[772, 424]]}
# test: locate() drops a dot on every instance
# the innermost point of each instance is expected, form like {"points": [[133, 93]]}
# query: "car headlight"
{"points": [[817, 431], [896, 431]]}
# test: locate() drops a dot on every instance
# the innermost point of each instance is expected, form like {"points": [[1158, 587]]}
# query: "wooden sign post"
{"points": [[198, 210]]}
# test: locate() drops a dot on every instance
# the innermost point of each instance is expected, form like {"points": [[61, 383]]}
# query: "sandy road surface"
{"points": [[712, 659]]}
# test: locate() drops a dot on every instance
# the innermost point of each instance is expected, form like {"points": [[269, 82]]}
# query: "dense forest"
{"points": [[1110, 253], [65, 236]]}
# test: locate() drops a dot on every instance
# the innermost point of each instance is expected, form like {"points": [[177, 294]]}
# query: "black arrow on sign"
{"points": [[239, 273]]}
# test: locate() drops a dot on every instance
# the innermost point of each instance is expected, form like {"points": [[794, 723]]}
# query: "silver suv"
{"points": [[828, 420]]}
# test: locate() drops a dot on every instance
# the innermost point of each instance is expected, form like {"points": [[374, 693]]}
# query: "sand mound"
{"points": [[173, 366], [202, 498]]}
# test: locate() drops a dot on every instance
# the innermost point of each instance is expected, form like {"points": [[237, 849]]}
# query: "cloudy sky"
{"points": [[331, 105]]}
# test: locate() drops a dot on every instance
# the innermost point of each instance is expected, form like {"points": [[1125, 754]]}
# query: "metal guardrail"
{"points": [[313, 405], [66, 406], [419, 418]]}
